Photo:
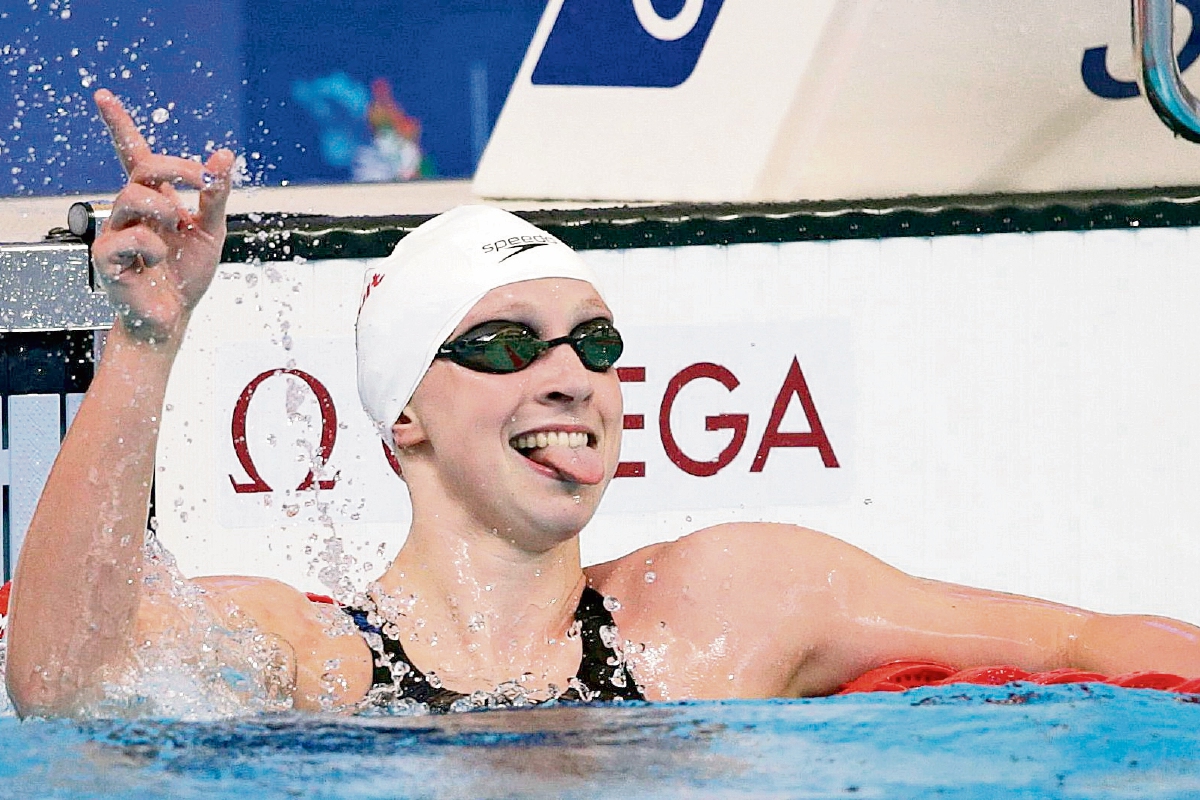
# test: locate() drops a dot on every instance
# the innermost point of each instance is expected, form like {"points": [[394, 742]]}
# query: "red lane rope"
{"points": [[900, 676]]}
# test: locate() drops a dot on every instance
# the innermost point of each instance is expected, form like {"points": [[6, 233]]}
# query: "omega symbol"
{"points": [[241, 448]]}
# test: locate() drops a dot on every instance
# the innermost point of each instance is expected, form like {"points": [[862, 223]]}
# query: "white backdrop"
{"points": [[833, 99], [1013, 411]]}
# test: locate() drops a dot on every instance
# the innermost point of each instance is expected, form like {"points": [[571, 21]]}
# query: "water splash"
{"points": [[6, 707], [55, 55], [211, 664], [335, 566]]}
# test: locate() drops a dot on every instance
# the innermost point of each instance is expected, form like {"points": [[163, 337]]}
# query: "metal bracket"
{"points": [[47, 287], [1154, 48]]}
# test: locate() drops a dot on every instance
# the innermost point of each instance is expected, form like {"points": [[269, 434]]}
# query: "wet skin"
{"points": [[484, 589], [456, 437]]}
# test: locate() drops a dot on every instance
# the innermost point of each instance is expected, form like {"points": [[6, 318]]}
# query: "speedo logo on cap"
{"points": [[515, 245]]}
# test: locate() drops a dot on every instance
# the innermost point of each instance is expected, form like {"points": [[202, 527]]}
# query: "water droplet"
{"points": [[612, 604], [650, 577], [608, 635], [160, 115], [399, 670]]}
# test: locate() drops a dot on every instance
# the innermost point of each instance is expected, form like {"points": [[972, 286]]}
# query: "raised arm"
{"points": [[76, 590]]}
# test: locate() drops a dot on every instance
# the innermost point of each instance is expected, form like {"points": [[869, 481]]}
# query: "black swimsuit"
{"points": [[601, 670]]}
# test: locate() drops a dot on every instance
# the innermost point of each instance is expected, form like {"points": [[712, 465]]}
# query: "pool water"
{"points": [[1086, 741]]}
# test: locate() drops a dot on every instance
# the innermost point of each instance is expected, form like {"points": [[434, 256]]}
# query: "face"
{"points": [[530, 452]]}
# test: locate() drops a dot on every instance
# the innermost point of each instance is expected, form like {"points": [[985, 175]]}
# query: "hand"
{"points": [[154, 256]]}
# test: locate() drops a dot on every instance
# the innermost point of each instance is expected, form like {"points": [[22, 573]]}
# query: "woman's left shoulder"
{"points": [[760, 591], [741, 558], [748, 544]]}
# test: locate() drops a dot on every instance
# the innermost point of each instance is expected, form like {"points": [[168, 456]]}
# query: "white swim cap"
{"points": [[414, 299]]}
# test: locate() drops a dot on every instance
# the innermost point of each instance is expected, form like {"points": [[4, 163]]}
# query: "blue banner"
{"points": [[361, 91], [637, 43]]}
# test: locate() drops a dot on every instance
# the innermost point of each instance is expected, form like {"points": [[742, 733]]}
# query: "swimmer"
{"points": [[489, 373]]}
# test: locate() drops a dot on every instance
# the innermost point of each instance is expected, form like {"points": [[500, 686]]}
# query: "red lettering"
{"points": [[393, 462], [242, 449], [631, 422], [631, 374], [630, 469], [794, 384], [733, 422]]}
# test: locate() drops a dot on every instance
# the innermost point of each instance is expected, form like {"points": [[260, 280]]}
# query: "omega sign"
{"points": [[770, 426]]}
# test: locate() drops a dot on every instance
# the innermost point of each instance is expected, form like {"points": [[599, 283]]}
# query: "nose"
{"points": [[561, 376]]}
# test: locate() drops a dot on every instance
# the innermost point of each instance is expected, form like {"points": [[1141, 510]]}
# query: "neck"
{"points": [[480, 595]]}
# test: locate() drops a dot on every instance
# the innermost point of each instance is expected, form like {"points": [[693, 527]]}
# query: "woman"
{"points": [[485, 357]]}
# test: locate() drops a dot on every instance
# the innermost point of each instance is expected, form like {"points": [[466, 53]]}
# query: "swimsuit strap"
{"points": [[601, 670], [410, 682]]}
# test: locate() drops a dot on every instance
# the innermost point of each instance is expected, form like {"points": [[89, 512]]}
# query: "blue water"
{"points": [[1019, 741]]}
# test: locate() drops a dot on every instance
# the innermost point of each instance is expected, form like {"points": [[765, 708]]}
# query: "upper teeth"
{"points": [[550, 439]]}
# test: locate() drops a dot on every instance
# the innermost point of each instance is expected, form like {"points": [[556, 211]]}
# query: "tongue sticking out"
{"points": [[574, 464]]}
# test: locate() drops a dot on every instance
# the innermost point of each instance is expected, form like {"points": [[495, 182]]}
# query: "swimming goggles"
{"points": [[501, 346]]}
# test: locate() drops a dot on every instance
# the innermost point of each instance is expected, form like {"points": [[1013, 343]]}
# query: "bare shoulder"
{"points": [[745, 558], [750, 600], [333, 662]]}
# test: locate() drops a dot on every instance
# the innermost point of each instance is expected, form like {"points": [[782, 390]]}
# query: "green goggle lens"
{"points": [[502, 346]]}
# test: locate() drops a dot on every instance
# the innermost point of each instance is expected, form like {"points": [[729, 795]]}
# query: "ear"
{"points": [[407, 430]]}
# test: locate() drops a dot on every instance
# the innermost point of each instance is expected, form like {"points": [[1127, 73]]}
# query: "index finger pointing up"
{"points": [[126, 137]]}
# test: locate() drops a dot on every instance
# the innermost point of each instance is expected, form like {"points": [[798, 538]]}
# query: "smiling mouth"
{"points": [[530, 442], [570, 456]]}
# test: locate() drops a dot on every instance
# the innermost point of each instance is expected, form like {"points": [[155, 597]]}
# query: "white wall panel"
{"points": [[1015, 411], [34, 432]]}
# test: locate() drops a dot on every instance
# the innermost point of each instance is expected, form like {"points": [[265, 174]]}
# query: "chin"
{"points": [[563, 520]]}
